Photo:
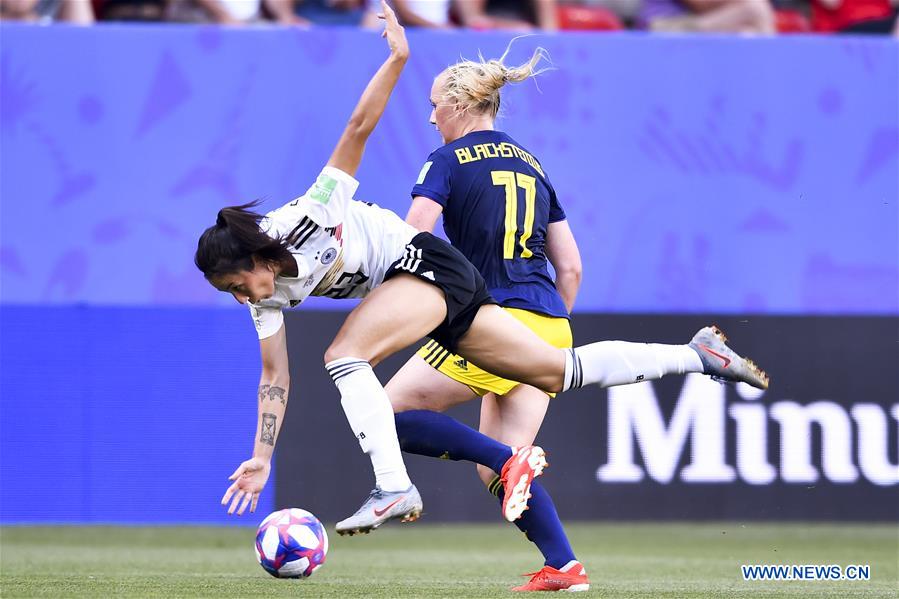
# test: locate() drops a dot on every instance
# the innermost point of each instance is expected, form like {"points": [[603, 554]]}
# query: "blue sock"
{"points": [[433, 434], [437, 435], [541, 525]]}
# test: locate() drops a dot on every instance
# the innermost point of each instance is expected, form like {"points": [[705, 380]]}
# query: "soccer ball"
{"points": [[291, 543]]}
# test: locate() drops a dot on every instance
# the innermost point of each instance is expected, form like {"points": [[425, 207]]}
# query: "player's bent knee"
{"points": [[400, 404], [554, 376], [337, 351], [554, 386], [544, 370], [550, 383], [333, 353]]}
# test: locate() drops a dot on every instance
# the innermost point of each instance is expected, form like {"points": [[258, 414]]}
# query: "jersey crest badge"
{"points": [[329, 255]]}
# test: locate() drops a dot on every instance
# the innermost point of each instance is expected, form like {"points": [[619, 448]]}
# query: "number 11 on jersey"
{"points": [[511, 181]]}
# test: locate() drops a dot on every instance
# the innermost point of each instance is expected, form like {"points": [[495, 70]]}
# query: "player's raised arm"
{"points": [[348, 153]]}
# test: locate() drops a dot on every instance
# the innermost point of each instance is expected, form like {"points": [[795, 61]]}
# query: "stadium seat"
{"points": [[791, 21], [583, 18]]}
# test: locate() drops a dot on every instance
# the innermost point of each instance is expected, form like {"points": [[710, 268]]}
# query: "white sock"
{"points": [[611, 363], [574, 565], [370, 415]]}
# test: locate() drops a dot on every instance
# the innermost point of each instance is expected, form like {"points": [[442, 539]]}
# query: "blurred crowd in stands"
{"points": [[728, 16]]}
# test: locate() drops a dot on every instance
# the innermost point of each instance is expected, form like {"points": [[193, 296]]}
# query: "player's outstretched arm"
{"points": [[251, 476], [348, 153]]}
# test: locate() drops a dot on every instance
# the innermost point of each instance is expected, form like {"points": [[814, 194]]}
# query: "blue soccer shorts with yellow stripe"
{"points": [[555, 331]]}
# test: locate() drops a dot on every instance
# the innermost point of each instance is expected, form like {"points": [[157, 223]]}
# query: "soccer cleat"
{"points": [[518, 472], [380, 507], [572, 578], [722, 363]]}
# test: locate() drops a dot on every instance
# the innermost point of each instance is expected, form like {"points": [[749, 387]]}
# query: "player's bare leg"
{"points": [[420, 386], [493, 335], [393, 316], [514, 420], [499, 343]]}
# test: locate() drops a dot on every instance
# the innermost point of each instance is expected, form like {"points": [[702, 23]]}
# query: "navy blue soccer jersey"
{"points": [[497, 203]]}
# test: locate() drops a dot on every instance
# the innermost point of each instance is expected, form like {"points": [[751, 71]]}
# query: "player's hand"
{"points": [[394, 32], [249, 480]]}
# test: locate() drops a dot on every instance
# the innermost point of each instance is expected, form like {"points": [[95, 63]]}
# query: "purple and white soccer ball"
{"points": [[291, 543]]}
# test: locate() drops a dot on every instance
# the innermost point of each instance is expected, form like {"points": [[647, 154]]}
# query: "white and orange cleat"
{"points": [[526, 464], [572, 578]]}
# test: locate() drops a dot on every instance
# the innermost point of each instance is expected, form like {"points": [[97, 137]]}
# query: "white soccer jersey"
{"points": [[342, 247]]}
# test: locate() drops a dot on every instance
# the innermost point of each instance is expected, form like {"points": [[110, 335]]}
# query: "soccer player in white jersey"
{"points": [[415, 285]]}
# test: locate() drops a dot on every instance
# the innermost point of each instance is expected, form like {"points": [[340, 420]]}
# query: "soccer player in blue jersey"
{"points": [[500, 209]]}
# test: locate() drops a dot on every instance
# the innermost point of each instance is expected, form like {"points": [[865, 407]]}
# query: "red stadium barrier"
{"points": [[791, 21]]}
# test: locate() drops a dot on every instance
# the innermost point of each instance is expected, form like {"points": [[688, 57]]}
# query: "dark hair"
{"points": [[231, 243]]}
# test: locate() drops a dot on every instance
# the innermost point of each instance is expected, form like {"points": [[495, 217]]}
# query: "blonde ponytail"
{"points": [[474, 85]]}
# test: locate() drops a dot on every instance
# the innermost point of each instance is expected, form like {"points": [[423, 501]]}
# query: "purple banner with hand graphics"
{"points": [[699, 174]]}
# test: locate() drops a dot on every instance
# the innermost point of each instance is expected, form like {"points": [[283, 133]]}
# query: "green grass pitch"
{"points": [[624, 560]]}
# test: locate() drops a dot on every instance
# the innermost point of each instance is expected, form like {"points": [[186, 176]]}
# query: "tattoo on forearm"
{"points": [[263, 392], [278, 393], [268, 429]]}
